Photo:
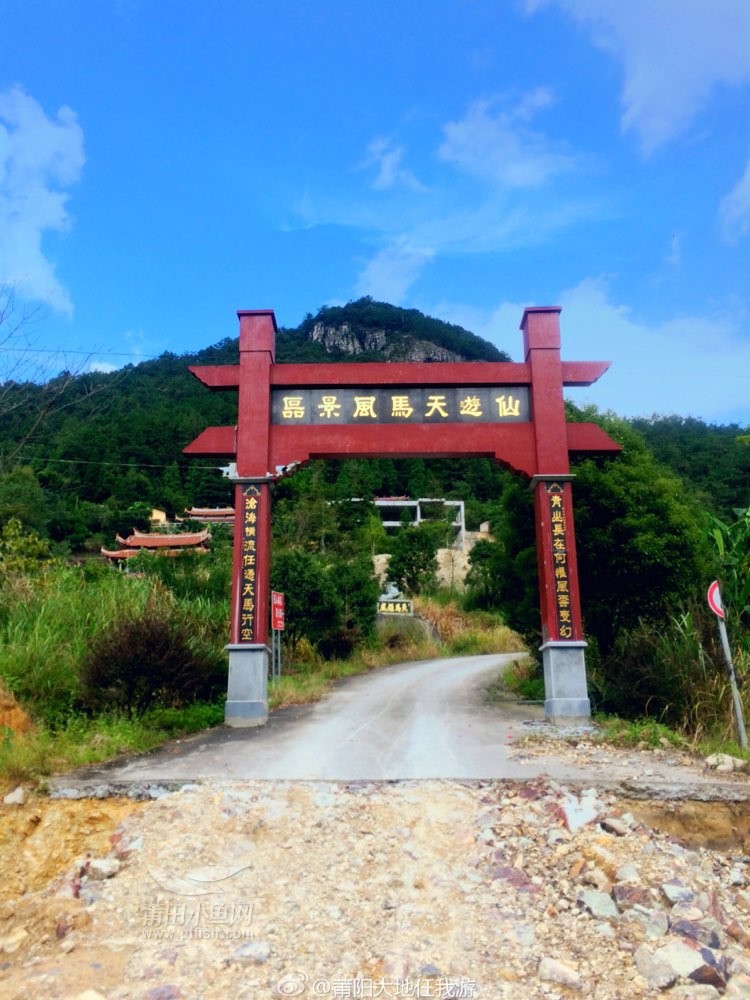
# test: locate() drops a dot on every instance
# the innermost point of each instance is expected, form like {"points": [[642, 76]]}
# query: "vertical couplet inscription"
{"points": [[563, 612], [248, 583]]}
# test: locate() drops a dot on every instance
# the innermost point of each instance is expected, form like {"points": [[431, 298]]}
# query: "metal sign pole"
{"points": [[716, 605]]}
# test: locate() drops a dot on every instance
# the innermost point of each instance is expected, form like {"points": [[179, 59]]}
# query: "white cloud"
{"points": [[387, 157], [39, 158], [672, 367], [392, 271], [104, 367], [734, 210], [493, 142], [674, 54]]}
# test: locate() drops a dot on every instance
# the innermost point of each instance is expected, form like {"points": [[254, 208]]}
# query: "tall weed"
{"points": [[675, 674]]}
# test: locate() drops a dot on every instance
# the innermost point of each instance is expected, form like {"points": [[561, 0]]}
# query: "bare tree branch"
{"points": [[25, 381]]}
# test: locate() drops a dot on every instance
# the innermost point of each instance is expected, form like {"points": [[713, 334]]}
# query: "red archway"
{"points": [[511, 412]]}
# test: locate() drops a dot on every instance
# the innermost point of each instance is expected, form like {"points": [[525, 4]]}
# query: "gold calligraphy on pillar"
{"points": [[251, 500], [563, 610]]}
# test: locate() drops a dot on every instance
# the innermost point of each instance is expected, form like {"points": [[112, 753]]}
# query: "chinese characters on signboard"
{"points": [[563, 612], [248, 544], [399, 607], [410, 405], [277, 611]]}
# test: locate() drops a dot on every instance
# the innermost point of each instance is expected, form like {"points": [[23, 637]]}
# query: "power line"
{"points": [[121, 465]]}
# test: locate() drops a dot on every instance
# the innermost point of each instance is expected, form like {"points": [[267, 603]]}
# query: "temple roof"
{"points": [[145, 540]]}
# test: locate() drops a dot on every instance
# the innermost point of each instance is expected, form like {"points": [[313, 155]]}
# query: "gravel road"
{"points": [[321, 856]]}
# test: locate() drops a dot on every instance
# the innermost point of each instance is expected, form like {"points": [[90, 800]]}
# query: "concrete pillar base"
{"points": [[247, 692], [566, 695]]}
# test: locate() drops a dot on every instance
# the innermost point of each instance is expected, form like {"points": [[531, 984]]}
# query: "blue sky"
{"points": [[164, 164]]}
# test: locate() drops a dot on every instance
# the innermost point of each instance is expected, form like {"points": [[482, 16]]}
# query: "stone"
{"points": [[15, 798], [599, 904], [552, 971], [101, 868], [725, 762], [682, 958], [657, 973], [735, 930], [580, 812], [694, 991], [255, 952], [676, 892], [614, 825], [628, 873], [627, 896], [705, 932], [738, 988], [12, 942], [597, 878]]}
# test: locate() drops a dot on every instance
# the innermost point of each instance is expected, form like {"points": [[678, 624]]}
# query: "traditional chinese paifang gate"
{"points": [[511, 412]]}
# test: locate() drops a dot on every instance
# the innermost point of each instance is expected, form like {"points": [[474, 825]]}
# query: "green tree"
{"points": [[21, 551], [312, 606], [22, 498], [641, 538], [486, 568], [413, 562]]}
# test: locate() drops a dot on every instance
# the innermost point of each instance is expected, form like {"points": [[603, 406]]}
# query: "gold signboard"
{"points": [[401, 405]]}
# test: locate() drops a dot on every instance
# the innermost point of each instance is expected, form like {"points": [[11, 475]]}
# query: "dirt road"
{"points": [[411, 721]]}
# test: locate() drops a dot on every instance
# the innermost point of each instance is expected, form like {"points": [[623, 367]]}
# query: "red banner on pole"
{"points": [[277, 611]]}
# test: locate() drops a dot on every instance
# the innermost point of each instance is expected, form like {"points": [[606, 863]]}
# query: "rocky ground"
{"points": [[408, 889]]}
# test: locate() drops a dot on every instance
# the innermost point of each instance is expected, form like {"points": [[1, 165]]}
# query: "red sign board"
{"points": [[277, 611], [714, 599]]}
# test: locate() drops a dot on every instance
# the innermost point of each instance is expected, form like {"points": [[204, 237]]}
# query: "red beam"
{"points": [[299, 444], [217, 376], [472, 373], [214, 442], [589, 437], [583, 372]]}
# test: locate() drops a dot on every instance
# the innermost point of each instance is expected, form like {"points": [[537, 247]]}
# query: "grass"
{"points": [[649, 734], [41, 670], [78, 741]]}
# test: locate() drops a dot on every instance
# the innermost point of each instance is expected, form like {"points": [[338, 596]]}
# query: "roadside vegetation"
{"points": [[105, 663]]}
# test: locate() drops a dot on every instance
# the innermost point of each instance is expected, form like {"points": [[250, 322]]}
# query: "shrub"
{"points": [[148, 660]]}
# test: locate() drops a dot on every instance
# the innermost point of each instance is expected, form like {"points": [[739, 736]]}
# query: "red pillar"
{"points": [[562, 633], [252, 541], [554, 537], [247, 693]]}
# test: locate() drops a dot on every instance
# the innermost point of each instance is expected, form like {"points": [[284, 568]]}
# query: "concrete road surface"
{"points": [[411, 721]]}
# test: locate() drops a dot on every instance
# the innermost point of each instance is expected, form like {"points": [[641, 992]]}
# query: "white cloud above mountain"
{"points": [[674, 53], [40, 158]]}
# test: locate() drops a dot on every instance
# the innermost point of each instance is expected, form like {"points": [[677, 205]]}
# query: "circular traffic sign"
{"points": [[714, 599]]}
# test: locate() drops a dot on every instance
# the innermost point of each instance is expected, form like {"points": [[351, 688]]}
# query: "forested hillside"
{"points": [[88, 455], [107, 442]]}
